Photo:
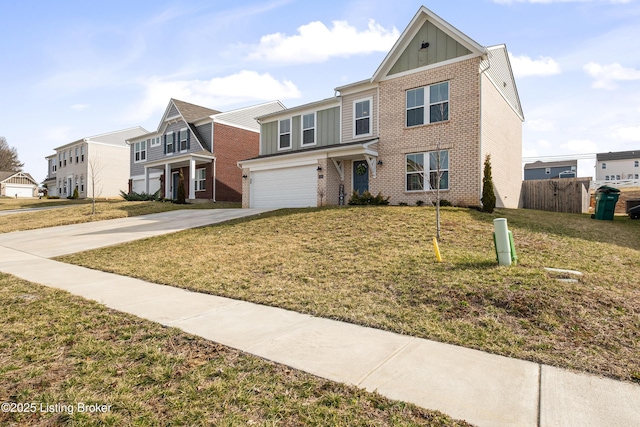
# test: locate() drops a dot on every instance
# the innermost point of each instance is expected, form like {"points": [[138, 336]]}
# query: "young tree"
{"points": [[488, 193], [9, 161], [93, 173]]}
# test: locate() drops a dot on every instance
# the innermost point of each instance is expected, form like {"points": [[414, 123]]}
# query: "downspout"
{"points": [[480, 141]]}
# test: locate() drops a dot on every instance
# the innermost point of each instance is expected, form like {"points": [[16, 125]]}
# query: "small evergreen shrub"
{"points": [[445, 202], [182, 192], [420, 203], [403, 204], [488, 193], [139, 197], [367, 199]]}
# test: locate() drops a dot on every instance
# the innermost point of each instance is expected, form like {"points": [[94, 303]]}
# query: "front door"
{"points": [[175, 178], [360, 176]]}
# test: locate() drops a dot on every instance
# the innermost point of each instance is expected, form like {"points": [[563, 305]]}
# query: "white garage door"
{"points": [[20, 190], [295, 187], [138, 185]]}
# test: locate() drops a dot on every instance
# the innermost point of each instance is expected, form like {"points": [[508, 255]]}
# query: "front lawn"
{"points": [[58, 351], [81, 212], [375, 266]]}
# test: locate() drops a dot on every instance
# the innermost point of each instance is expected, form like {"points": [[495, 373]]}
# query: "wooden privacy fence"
{"points": [[569, 195]]}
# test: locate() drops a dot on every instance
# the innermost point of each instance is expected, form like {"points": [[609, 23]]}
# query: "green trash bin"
{"points": [[606, 199]]}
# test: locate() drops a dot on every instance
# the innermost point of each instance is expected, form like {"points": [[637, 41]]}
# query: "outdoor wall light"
{"points": [[245, 176], [379, 162], [319, 168]]}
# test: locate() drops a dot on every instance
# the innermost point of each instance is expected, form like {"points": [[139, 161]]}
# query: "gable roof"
{"points": [[6, 175], [117, 137], [191, 113], [540, 165], [421, 17]]}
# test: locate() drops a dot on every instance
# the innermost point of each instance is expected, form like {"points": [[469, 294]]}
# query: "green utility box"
{"points": [[606, 199]]}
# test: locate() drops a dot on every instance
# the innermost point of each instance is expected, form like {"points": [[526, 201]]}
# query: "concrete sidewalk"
{"points": [[481, 388]]}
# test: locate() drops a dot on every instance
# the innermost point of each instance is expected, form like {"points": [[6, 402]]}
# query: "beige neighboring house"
{"points": [[100, 160], [618, 166], [437, 91], [17, 184]]}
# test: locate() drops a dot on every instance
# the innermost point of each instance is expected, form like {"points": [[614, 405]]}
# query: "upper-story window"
{"points": [[435, 96], [635, 164], [54, 166], [547, 171], [284, 134], [60, 159], [155, 141], [140, 151], [70, 156], [168, 143], [184, 139], [82, 153], [604, 166], [77, 155], [64, 158], [309, 129], [362, 117]]}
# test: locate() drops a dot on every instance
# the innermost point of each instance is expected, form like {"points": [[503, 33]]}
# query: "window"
{"points": [[70, 156], [606, 177], [168, 143], [309, 129], [416, 168], [140, 151], [82, 153], [618, 177], [60, 159], [604, 166], [635, 164], [77, 157], [362, 118], [64, 159], [436, 96], [547, 171], [64, 186], [637, 176], [155, 141], [284, 133], [81, 182], [184, 139], [201, 176], [54, 167]]}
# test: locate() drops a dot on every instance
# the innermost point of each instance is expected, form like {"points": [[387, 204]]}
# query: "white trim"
{"points": [[204, 180], [186, 141], [315, 129], [370, 117], [284, 133]]}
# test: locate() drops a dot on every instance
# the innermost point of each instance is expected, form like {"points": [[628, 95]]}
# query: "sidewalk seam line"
{"points": [[387, 359], [539, 393]]}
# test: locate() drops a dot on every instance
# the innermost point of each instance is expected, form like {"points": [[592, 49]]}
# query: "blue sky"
{"points": [[72, 69]]}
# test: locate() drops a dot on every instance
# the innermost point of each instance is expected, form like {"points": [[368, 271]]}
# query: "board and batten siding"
{"points": [[442, 47], [347, 114], [327, 132]]}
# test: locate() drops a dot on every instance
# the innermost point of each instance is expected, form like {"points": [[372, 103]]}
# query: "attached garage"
{"points": [[292, 187], [18, 184], [137, 183]]}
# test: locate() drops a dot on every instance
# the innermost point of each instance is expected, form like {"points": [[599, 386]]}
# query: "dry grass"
{"points": [[80, 212], [375, 267], [57, 349]]}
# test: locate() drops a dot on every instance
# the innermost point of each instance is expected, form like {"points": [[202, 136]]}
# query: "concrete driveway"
{"points": [[68, 239]]}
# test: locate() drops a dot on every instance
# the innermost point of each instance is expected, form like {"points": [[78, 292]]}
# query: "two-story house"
{"points": [[204, 144], [550, 170], [437, 105], [98, 166], [619, 165]]}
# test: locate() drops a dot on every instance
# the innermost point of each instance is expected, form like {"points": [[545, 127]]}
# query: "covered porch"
{"points": [[171, 167]]}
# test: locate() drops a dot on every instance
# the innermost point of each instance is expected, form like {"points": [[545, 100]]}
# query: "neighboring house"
{"points": [[17, 184], [437, 91], [618, 166], [550, 170], [100, 162], [204, 144]]}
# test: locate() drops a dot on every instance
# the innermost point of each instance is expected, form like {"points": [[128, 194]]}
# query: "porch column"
{"points": [[192, 179], [146, 180], [167, 181]]}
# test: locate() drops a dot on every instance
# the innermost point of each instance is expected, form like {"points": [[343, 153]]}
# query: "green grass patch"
{"points": [[80, 212], [58, 349], [375, 266]]}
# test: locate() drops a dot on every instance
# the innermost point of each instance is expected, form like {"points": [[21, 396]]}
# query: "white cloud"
{"points": [[580, 146], [244, 86], [317, 43], [524, 66], [606, 76], [79, 107], [561, 1], [629, 133]]}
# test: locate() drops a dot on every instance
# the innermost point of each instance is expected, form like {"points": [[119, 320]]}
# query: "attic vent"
{"points": [[424, 45], [504, 84]]}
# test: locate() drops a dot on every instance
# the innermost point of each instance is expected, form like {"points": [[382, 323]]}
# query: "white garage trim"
{"points": [[21, 190], [292, 187]]}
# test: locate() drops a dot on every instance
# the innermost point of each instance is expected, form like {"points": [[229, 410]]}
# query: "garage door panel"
{"points": [[284, 188], [21, 191]]}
